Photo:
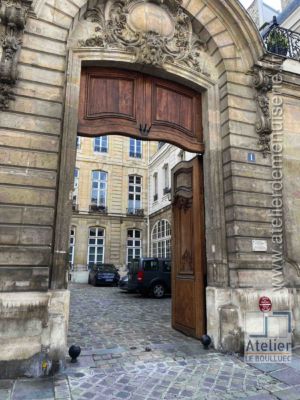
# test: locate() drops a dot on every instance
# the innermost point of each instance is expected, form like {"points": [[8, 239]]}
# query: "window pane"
{"points": [[96, 245], [154, 249], [150, 265], [133, 246], [167, 266]]}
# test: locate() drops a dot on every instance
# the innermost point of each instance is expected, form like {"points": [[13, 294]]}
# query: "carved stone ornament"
{"points": [[156, 32], [263, 84], [13, 15]]}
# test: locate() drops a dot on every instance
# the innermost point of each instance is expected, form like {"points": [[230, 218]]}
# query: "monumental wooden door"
{"points": [[188, 261], [114, 101]]}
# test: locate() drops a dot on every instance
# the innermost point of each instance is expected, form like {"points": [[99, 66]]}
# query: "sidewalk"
{"points": [[132, 355], [54, 388], [212, 376]]}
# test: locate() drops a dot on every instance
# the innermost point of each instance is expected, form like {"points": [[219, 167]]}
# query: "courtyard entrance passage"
{"points": [[130, 351], [137, 105]]}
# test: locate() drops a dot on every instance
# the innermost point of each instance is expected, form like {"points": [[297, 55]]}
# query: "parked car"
{"points": [[150, 276], [104, 274], [123, 282]]}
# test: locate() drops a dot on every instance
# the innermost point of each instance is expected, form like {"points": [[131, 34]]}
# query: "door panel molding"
{"points": [[188, 238], [114, 101]]}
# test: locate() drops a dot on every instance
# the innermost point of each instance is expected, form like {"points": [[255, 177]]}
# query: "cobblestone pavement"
{"points": [[129, 351]]}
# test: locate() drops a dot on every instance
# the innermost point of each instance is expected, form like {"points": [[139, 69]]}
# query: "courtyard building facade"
{"points": [[195, 74], [110, 202], [121, 202]]}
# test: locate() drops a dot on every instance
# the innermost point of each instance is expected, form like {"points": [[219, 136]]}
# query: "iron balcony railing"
{"points": [[98, 209], [281, 41], [135, 211], [135, 154], [75, 207]]}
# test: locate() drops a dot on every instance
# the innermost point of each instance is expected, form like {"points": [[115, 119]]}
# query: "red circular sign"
{"points": [[265, 304]]}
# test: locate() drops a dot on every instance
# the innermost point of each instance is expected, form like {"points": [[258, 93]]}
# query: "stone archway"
{"points": [[90, 44], [39, 135]]}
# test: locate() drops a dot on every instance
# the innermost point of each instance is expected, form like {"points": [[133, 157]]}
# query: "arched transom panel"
{"points": [[131, 103]]}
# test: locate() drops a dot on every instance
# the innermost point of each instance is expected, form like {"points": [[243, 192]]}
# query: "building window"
{"points": [[181, 155], [134, 194], [99, 188], [160, 145], [78, 142], [96, 245], [155, 186], [134, 244], [161, 239], [166, 177], [135, 148], [76, 184], [72, 246], [101, 144]]}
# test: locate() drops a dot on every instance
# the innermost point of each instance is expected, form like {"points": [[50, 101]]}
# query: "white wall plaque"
{"points": [[259, 245]]}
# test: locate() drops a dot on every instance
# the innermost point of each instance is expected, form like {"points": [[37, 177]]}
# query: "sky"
{"points": [[273, 3]]}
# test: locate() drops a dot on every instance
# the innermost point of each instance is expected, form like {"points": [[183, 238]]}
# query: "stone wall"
{"points": [[33, 333]]}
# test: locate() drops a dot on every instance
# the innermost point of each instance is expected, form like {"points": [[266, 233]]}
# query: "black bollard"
{"points": [[74, 352], [206, 341]]}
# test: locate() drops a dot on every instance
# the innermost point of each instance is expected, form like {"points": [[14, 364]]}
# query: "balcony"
{"points": [[94, 208], [138, 212], [135, 155], [282, 42], [75, 207]]}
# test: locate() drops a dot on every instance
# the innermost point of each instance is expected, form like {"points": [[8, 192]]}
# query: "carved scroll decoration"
{"points": [[263, 84], [187, 262], [13, 16], [148, 46], [183, 203]]}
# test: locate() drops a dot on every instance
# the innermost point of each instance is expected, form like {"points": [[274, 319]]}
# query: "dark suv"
{"points": [[150, 276]]}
